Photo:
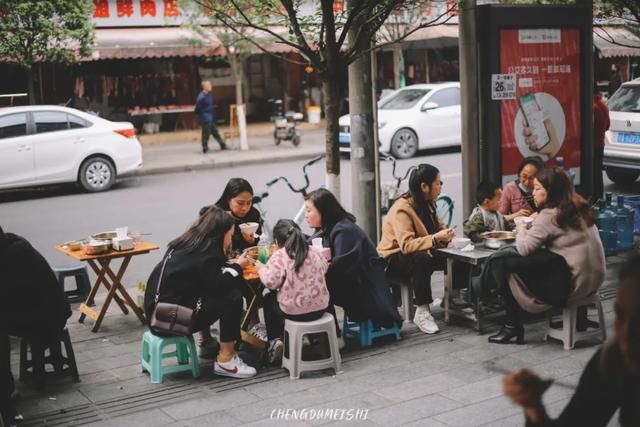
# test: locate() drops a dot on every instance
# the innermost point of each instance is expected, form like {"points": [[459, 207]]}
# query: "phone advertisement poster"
{"points": [[543, 119]]}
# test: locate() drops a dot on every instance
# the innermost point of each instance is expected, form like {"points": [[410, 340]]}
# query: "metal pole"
{"points": [[469, 97], [376, 152], [363, 144]]}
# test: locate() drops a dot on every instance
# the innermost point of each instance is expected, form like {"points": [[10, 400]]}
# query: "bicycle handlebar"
{"points": [[305, 174]]}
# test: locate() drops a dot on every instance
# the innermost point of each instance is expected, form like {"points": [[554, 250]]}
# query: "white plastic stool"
{"points": [[295, 331], [405, 297], [567, 334]]}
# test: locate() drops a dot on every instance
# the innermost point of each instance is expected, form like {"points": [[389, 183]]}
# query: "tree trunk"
{"points": [[30, 86], [398, 66], [236, 68], [331, 89]]}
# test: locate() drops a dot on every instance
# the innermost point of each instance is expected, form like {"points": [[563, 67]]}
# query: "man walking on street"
{"points": [[600, 126], [204, 110]]}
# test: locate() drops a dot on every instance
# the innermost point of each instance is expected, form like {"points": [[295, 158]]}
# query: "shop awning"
{"points": [[153, 42], [435, 37], [605, 39]]}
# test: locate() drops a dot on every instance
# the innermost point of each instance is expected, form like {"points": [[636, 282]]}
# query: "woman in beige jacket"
{"points": [[565, 226], [410, 231]]}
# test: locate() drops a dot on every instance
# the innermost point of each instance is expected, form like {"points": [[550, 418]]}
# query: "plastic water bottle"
{"points": [[625, 219], [607, 227], [263, 249], [570, 173]]}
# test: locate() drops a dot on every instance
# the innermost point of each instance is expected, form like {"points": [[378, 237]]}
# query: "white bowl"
{"points": [[249, 227], [460, 242]]}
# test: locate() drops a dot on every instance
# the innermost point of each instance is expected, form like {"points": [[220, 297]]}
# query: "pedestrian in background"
{"points": [[600, 126], [204, 110]]}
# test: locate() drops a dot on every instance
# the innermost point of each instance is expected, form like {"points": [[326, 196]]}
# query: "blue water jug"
{"points": [[568, 171], [606, 223], [634, 202], [625, 218]]}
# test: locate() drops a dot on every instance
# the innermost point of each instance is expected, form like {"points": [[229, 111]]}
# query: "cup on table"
{"points": [[136, 236], [122, 232]]}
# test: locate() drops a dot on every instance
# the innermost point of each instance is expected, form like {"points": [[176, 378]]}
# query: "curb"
{"points": [[226, 163]]}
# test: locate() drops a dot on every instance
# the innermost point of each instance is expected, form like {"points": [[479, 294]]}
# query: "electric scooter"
{"points": [[286, 124]]}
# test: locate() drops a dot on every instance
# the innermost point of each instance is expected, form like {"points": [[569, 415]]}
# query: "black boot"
{"points": [[505, 335]]}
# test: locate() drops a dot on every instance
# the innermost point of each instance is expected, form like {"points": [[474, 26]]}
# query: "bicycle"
{"points": [[444, 203], [299, 218]]}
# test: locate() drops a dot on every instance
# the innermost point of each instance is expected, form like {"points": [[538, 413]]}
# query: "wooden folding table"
{"points": [[111, 280]]}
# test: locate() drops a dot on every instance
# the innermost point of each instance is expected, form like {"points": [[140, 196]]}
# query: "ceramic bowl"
{"points": [[460, 242]]}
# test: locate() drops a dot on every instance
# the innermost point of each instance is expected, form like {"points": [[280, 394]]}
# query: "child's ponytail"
{"points": [[288, 234]]}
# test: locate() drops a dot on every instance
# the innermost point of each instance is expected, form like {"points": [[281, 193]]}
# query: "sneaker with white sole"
{"points": [[424, 320], [234, 368], [274, 354]]}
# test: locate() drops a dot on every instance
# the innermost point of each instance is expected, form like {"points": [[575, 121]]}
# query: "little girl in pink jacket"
{"points": [[295, 274]]}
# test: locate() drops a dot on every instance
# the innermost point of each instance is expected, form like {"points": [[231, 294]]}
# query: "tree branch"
{"points": [[350, 19], [295, 25]]}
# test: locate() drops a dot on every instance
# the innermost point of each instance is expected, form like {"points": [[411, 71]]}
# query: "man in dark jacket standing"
{"points": [[204, 110], [600, 126], [31, 305]]}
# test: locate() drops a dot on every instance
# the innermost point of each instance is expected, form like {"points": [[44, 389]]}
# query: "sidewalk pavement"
{"points": [[182, 150], [449, 379]]}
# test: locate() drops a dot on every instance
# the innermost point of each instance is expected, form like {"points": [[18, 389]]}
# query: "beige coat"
{"points": [[403, 231], [582, 250]]}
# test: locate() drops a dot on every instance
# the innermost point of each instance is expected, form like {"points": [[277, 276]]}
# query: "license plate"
{"points": [[281, 122], [629, 138], [281, 134], [344, 138]]}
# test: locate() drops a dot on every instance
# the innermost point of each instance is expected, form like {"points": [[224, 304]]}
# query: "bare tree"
{"points": [[318, 30]]}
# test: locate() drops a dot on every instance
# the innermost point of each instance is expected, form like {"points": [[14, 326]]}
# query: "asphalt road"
{"points": [[165, 205]]}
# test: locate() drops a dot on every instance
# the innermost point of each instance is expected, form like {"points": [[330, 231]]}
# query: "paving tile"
{"points": [[429, 350], [476, 392], [282, 386], [425, 422], [479, 413], [420, 387], [253, 411], [363, 403], [212, 403], [559, 367], [219, 418], [150, 418], [412, 410], [541, 353], [338, 390], [396, 375]]}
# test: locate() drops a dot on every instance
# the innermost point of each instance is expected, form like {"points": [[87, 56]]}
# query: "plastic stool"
{"points": [[151, 356], [33, 368], [292, 359], [405, 296], [83, 286], [367, 331], [567, 334]]}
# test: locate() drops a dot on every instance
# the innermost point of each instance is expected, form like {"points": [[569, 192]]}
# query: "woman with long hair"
{"points": [[517, 197], [196, 270], [355, 278], [410, 232], [295, 274], [237, 199], [565, 226]]}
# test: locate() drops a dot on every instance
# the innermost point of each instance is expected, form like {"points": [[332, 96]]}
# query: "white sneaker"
{"points": [[234, 368], [424, 320]]}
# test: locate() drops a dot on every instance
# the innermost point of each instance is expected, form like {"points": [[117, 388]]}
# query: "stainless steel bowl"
{"points": [[497, 239]]}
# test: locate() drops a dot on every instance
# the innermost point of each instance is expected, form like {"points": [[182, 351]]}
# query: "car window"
{"points": [[13, 125], [403, 99], [626, 100], [50, 121], [446, 97], [76, 122]]}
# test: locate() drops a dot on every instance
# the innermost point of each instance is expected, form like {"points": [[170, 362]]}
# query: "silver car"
{"points": [[622, 141]]}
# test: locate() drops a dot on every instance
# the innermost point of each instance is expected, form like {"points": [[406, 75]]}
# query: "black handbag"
{"points": [[169, 318]]}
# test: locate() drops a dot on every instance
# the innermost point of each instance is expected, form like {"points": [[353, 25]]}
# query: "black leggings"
{"points": [[417, 267], [228, 309], [274, 316]]}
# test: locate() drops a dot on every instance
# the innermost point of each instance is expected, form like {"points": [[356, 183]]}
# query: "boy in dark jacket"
{"points": [[485, 217]]}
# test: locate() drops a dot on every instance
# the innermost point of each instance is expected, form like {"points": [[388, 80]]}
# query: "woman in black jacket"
{"points": [[196, 270], [356, 278]]}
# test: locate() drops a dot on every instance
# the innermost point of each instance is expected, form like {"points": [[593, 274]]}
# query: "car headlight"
{"points": [[381, 125]]}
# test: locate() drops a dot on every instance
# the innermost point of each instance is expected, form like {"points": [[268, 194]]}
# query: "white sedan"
{"points": [[46, 144], [413, 118]]}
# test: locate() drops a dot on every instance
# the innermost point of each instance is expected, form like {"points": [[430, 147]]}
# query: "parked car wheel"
{"points": [[96, 174], [621, 177], [404, 144]]}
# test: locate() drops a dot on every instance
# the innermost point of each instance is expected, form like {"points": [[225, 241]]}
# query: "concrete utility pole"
{"points": [[362, 138], [469, 97]]}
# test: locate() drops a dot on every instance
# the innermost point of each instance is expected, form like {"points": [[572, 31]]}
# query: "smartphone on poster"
{"points": [[534, 116]]}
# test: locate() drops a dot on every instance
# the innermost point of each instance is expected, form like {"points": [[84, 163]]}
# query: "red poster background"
{"points": [[553, 69]]}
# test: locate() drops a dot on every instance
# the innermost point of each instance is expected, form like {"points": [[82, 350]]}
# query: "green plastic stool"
{"points": [[152, 356]]}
